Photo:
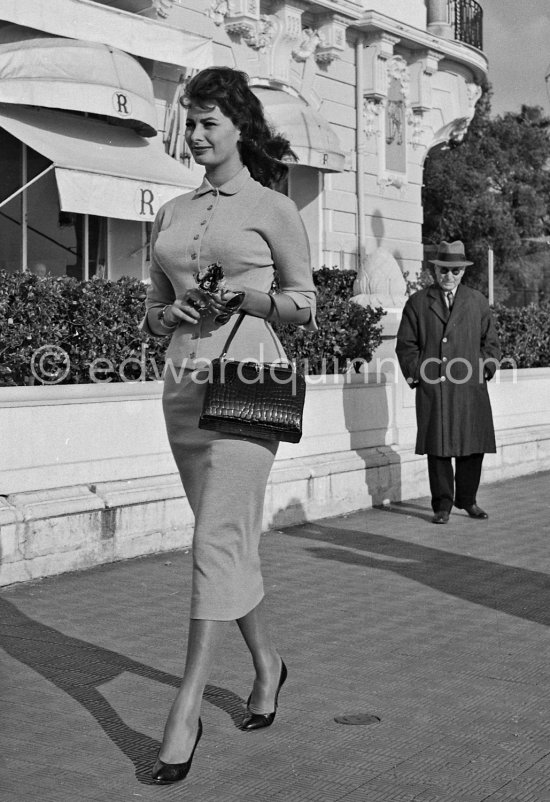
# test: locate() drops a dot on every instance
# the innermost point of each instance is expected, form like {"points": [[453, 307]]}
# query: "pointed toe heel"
{"points": [[165, 773], [258, 721]]}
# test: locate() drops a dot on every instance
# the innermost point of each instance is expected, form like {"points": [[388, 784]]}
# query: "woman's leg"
{"points": [[266, 659], [180, 730]]}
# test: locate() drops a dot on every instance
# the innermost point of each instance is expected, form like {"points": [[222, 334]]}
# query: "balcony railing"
{"points": [[466, 17]]}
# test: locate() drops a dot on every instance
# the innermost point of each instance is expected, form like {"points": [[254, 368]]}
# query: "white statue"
{"points": [[380, 282]]}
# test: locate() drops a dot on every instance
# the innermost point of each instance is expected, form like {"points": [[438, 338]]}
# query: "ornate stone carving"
{"points": [[415, 120], [460, 127], [454, 128], [239, 17], [474, 93], [397, 181], [263, 35], [371, 113], [325, 43], [458, 130], [311, 39], [163, 7], [398, 70], [218, 11], [332, 34]]}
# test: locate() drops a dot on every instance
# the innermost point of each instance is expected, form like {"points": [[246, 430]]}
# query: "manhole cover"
{"points": [[357, 718]]}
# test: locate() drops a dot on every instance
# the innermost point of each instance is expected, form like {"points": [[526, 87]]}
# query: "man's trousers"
{"points": [[458, 487]]}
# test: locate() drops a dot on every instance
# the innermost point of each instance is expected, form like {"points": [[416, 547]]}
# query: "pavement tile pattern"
{"points": [[442, 632]]}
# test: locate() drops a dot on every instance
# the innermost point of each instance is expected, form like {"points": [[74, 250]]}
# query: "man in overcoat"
{"points": [[448, 350]]}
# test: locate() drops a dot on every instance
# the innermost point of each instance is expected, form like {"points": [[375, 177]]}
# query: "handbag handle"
{"points": [[232, 333]]}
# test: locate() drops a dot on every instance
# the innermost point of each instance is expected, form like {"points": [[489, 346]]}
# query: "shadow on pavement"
{"points": [[79, 668], [520, 592], [407, 509]]}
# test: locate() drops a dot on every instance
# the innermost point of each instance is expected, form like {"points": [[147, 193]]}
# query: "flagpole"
{"points": [[491, 276]]}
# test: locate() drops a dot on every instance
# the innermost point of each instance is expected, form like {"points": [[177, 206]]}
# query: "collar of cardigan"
{"points": [[230, 187]]}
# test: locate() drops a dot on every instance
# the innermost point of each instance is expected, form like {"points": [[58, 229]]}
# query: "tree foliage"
{"points": [[493, 189]]}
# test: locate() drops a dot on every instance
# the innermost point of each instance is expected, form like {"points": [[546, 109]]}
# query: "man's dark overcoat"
{"points": [[448, 357]]}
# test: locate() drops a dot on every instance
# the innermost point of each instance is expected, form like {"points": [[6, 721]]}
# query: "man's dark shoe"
{"points": [[475, 512], [441, 517]]}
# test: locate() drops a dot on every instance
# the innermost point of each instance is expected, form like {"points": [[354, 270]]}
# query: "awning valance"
{"points": [[41, 70], [311, 137], [94, 22], [100, 169]]}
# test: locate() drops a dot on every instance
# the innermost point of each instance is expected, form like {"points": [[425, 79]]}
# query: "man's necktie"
{"points": [[450, 299]]}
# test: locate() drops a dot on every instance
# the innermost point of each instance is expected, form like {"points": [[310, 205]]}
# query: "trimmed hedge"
{"points": [[347, 332], [62, 331], [524, 334]]}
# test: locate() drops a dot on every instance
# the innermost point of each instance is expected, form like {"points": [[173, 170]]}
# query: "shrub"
{"points": [[347, 332], [98, 320], [68, 326], [524, 334], [95, 323]]}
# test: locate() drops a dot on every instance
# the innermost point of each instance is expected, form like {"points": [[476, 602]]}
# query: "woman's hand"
{"points": [[190, 306]]}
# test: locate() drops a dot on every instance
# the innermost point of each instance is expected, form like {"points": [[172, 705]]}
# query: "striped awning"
{"points": [[311, 136], [95, 22], [41, 70], [100, 169]]}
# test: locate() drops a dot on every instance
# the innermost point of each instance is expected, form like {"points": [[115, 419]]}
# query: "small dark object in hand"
{"points": [[211, 278]]}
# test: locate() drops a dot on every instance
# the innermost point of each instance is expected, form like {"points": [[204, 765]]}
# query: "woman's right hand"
{"points": [[189, 307]]}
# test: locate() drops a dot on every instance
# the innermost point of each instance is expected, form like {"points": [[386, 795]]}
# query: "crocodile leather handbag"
{"points": [[250, 399]]}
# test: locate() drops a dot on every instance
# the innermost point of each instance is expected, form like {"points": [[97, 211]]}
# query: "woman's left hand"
{"points": [[231, 298]]}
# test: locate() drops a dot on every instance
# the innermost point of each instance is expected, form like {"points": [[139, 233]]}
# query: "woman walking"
{"points": [[236, 220]]}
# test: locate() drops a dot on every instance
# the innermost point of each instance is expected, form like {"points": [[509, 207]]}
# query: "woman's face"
{"points": [[212, 137]]}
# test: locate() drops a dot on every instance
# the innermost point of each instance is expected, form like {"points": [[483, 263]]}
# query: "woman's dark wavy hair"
{"points": [[261, 149]]}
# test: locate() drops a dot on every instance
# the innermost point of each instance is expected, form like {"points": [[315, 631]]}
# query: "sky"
{"points": [[516, 40]]}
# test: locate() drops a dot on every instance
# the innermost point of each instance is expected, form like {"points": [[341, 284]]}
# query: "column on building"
{"points": [[438, 18]]}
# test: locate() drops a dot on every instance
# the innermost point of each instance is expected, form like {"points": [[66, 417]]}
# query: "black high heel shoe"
{"points": [[257, 721], [164, 773]]}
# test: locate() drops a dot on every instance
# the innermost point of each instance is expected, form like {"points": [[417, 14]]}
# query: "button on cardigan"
{"points": [[252, 231]]}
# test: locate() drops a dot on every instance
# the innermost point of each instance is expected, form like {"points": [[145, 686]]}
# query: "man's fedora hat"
{"points": [[451, 253]]}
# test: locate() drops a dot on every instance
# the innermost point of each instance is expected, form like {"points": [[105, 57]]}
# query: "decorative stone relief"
{"points": [[311, 39], [397, 114], [474, 93], [325, 43], [460, 127], [371, 115], [218, 11], [163, 7], [455, 121], [240, 17], [390, 180], [398, 70], [263, 35], [279, 36], [332, 33], [416, 121]]}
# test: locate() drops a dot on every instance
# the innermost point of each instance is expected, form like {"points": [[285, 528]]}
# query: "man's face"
{"points": [[448, 278]]}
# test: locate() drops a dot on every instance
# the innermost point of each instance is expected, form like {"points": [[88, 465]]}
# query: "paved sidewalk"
{"points": [[440, 631]]}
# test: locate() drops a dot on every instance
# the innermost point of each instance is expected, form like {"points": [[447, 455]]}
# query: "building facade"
{"points": [[91, 130]]}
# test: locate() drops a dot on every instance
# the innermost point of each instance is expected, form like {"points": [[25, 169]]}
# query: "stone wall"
{"points": [[101, 486]]}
